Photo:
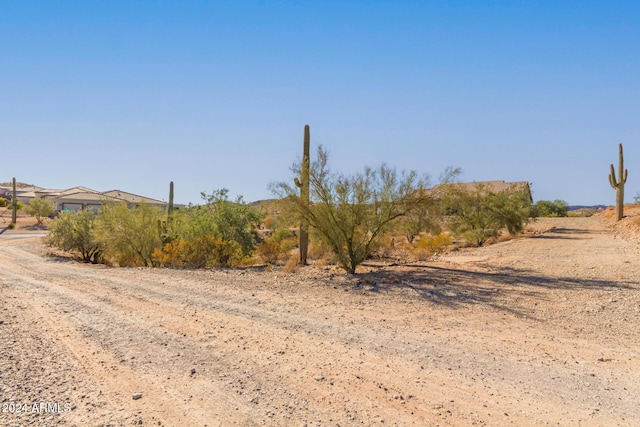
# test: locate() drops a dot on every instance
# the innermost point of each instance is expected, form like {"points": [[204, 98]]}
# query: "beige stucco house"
{"points": [[78, 198]]}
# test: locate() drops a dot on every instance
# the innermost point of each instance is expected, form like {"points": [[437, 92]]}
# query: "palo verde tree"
{"points": [[470, 213], [513, 209], [350, 212], [40, 209], [426, 216], [73, 231], [477, 213]]}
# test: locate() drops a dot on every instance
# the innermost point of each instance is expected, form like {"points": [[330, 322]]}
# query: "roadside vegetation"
{"points": [[220, 233], [479, 214], [547, 208], [351, 212], [378, 213], [333, 218]]}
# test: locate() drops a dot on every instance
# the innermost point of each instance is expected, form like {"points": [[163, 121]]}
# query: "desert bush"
{"points": [[275, 247], [73, 231], [282, 234], [292, 265], [429, 244], [270, 251], [3, 202], [204, 251], [319, 251], [226, 229], [385, 246], [233, 221], [434, 244], [40, 209], [129, 236], [470, 213], [479, 214], [424, 219], [512, 209], [269, 222], [289, 244], [547, 208], [351, 212]]}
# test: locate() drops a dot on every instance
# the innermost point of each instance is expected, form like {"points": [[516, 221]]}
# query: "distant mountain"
{"points": [[18, 184], [594, 207]]}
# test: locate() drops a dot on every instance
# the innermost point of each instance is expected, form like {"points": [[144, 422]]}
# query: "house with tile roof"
{"points": [[78, 198]]}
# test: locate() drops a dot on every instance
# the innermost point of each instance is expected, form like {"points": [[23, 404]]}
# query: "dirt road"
{"points": [[535, 331]]}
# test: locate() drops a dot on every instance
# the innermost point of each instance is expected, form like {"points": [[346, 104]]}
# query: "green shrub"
{"points": [[205, 251], [73, 231], [479, 214], [546, 208], [234, 221], [40, 208], [270, 251], [275, 247], [434, 244], [129, 235], [429, 244]]}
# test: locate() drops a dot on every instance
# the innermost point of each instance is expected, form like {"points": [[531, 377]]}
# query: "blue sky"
{"points": [[130, 95]]}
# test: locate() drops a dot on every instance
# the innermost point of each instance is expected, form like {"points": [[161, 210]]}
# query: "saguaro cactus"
{"points": [[164, 227], [618, 184], [14, 204], [303, 184], [170, 208]]}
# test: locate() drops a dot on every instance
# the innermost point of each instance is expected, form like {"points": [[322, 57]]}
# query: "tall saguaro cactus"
{"points": [[618, 184], [170, 208], [164, 227], [14, 204], [303, 184]]}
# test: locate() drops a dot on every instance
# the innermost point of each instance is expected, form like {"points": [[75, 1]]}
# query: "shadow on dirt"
{"points": [[566, 233], [456, 288]]}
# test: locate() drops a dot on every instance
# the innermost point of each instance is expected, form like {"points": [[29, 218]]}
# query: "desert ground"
{"points": [[540, 330]]}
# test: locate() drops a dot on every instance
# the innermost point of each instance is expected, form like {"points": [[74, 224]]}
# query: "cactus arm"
{"points": [[612, 178]]}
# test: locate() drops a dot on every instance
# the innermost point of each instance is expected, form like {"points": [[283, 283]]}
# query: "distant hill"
{"points": [[18, 184], [594, 207], [579, 210]]}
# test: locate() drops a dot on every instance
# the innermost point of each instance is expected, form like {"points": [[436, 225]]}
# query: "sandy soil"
{"points": [[541, 330]]}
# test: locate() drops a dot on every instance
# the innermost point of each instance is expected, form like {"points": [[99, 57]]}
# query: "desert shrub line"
{"points": [[547, 208]]}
